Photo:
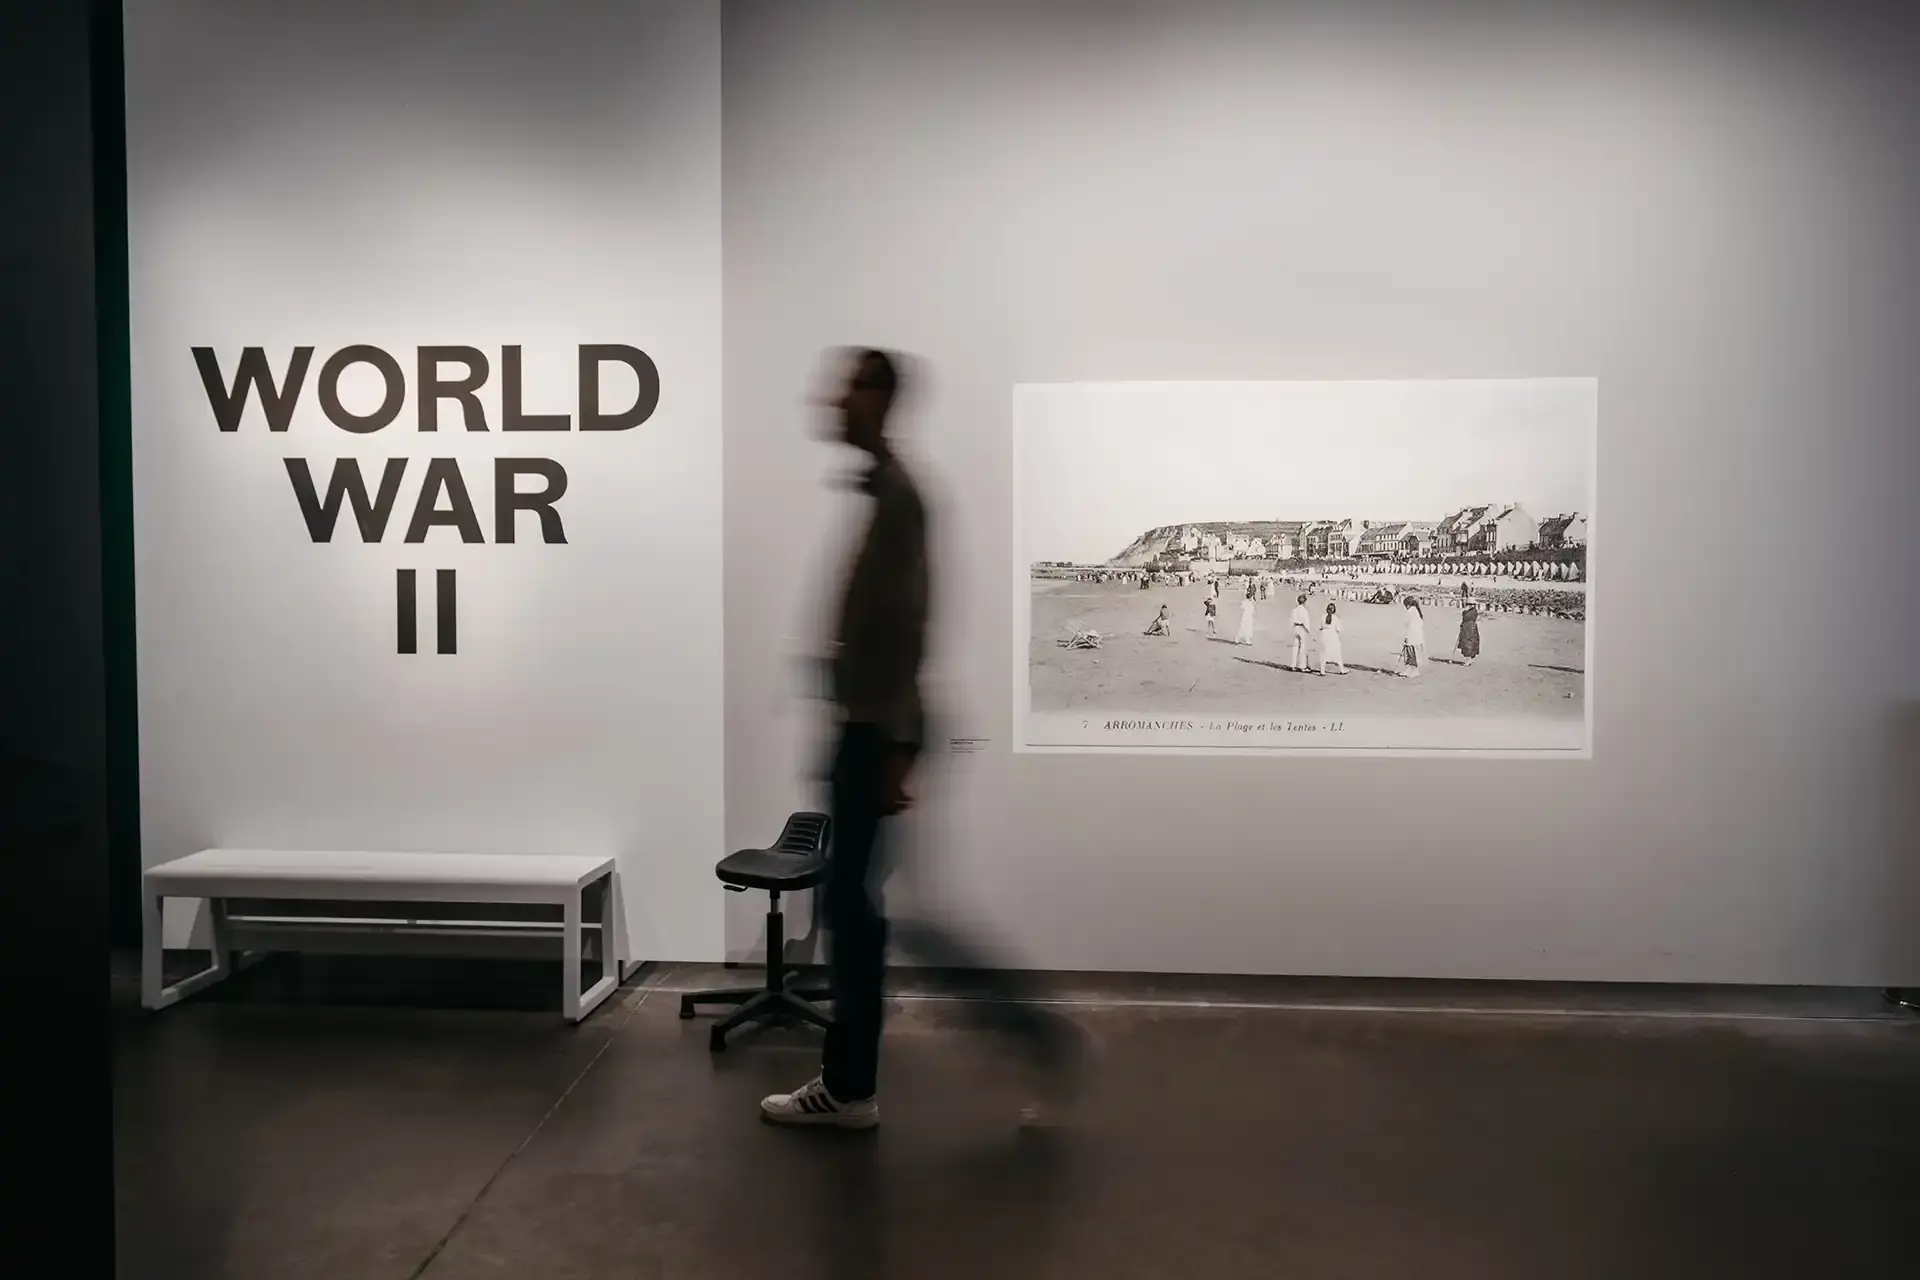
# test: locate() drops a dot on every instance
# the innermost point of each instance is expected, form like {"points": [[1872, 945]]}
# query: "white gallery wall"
{"points": [[1711, 213], [483, 175]]}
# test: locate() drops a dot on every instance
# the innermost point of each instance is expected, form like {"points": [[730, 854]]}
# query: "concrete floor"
{"points": [[303, 1128]]}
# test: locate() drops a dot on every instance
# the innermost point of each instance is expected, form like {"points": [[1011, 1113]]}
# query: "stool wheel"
{"points": [[716, 1041], [686, 1008]]}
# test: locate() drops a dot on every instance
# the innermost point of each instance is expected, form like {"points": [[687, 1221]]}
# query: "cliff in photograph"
{"points": [[1149, 545]]}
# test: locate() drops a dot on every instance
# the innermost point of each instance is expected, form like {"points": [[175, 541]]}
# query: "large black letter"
{"points": [[446, 620], [591, 358], [506, 500], [252, 373], [345, 482], [330, 388], [433, 389], [407, 611], [444, 473], [512, 419]]}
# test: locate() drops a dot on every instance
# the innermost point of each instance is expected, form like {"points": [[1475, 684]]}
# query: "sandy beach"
{"points": [[1529, 666]]}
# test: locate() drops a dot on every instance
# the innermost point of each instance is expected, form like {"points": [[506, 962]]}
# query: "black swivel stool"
{"points": [[797, 860]]}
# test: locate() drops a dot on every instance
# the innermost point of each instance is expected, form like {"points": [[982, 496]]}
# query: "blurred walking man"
{"points": [[878, 646], [882, 727]]}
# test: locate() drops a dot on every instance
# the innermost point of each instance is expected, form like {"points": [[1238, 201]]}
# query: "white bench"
{"points": [[267, 898]]}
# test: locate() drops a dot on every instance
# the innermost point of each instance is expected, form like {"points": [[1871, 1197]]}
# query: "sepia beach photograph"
{"points": [[1377, 567]]}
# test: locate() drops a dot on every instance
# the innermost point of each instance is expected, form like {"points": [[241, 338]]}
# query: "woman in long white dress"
{"points": [[1330, 651], [1414, 649], [1245, 634]]}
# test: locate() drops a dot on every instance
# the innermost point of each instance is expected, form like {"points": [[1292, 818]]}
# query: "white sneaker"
{"points": [[811, 1105]]}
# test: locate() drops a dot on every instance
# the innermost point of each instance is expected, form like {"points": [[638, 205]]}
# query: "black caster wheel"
{"points": [[686, 1009], [716, 1042]]}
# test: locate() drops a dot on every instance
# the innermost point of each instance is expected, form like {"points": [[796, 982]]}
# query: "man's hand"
{"points": [[899, 769]]}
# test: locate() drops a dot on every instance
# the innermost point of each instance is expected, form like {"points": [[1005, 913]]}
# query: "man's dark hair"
{"points": [[877, 370]]}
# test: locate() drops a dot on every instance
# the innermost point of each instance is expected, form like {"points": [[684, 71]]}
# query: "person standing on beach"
{"points": [[1414, 649], [1245, 634], [1212, 608], [1468, 644], [1301, 622], [1331, 654]]}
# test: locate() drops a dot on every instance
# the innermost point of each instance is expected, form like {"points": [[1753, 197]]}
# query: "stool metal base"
{"points": [[771, 1004], [761, 1008]]}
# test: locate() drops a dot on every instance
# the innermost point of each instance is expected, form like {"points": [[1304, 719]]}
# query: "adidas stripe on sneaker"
{"points": [[812, 1106]]}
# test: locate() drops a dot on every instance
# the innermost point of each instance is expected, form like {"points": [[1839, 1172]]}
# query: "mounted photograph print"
{"points": [[1380, 568]]}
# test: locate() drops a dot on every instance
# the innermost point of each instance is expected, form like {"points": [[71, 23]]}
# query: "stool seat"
{"points": [[771, 869]]}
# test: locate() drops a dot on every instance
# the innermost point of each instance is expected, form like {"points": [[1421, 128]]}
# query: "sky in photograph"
{"points": [[1098, 464]]}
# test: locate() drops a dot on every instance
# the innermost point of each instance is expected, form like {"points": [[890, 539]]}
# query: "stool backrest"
{"points": [[805, 835]]}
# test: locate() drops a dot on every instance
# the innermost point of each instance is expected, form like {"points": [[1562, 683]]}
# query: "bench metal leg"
{"points": [[222, 938], [570, 967], [154, 993], [152, 957], [574, 1002]]}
